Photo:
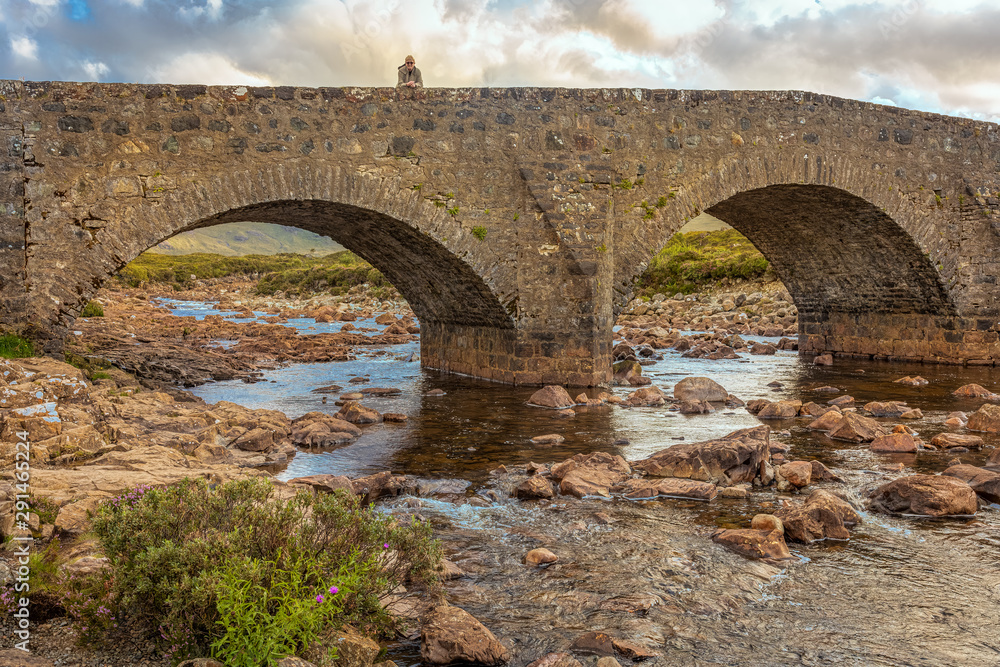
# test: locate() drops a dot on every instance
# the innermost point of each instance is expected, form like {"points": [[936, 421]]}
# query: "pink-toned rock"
{"points": [[767, 522], [841, 401], [590, 474], [537, 557], [667, 487], [820, 473], [823, 360], [534, 487], [975, 391], [823, 515], [894, 443], [645, 397], [950, 440], [355, 413], [984, 482], [733, 459], [925, 495], [798, 473], [914, 413], [756, 544], [551, 396], [915, 381], [827, 421], [780, 410], [699, 389], [450, 634], [985, 419], [855, 428]]}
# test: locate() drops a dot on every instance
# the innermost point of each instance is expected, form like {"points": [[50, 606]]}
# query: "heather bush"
{"points": [[238, 573]]}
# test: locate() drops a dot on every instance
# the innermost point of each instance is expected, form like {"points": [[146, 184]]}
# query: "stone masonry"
{"points": [[516, 220]]}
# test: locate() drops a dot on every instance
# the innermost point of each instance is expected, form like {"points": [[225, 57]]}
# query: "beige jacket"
{"points": [[405, 77]]}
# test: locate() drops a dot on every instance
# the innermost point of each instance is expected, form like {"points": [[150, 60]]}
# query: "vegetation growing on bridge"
{"points": [[13, 346], [294, 275], [694, 260]]}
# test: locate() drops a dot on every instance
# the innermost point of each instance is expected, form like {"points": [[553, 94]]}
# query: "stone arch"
{"points": [[448, 276], [844, 240]]}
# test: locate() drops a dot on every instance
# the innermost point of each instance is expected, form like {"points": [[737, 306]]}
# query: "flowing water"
{"points": [[902, 591]]}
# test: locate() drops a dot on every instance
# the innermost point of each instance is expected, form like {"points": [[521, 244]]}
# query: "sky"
{"points": [[933, 55]]}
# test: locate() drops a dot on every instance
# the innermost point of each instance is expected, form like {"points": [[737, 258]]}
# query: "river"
{"points": [[902, 591]]}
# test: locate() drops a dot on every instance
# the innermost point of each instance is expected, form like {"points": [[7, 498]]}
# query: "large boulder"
{"points": [[894, 443], [854, 428], [757, 544], [552, 396], [780, 410], [452, 635], [975, 391], [700, 389], [822, 516], [984, 482], [985, 419], [736, 458], [951, 440], [925, 495], [355, 413], [590, 474]]}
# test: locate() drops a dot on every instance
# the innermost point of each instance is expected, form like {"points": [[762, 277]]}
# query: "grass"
{"points": [[691, 261], [13, 346], [92, 309], [302, 275]]}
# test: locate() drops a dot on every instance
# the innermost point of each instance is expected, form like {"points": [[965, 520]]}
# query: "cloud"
{"points": [[95, 71], [939, 55], [24, 48]]}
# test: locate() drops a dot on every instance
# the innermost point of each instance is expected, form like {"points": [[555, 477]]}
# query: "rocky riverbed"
{"points": [[781, 512]]}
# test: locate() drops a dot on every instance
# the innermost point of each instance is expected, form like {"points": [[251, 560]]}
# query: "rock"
{"points": [[780, 410], [925, 495], [626, 371], [756, 544], [594, 643], [668, 487], [841, 401], [353, 649], [74, 517], [754, 406], [556, 660], [450, 634], [986, 419], [699, 389], [292, 661], [645, 397], [763, 348], [822, 516], [954, 422], [733, 459], [552, 396], [534, 487], [317, 429], [736, 492], [324, 483], [590, 474], [631, 650], [820, 473], [695, 407], [767, 522], [915, 381], [607, 661], [827, 421], [975, 391], [85, 566], [894, 443], [855, 428], [886, 409], [537, 557], [373, 487], [823, 360], [993, 460], [798, 473], [914, 413], [984, 482], [812, 409], [355, 413], [950, 440], [550, 439], [448, 570], [394, 417]]}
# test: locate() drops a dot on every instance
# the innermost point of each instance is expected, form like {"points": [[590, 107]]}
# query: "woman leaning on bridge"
{"points": [[409, 75]]}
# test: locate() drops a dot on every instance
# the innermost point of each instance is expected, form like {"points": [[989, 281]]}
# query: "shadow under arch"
{"points": [[836, 252], [442, 289]]}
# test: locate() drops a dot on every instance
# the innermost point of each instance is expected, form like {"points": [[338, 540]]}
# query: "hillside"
{"points": [[248, 238]]}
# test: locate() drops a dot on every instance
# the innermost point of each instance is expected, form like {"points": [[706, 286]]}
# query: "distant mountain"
{"points": [[248, 238]]}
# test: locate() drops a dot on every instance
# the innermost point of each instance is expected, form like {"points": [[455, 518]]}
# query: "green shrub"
{"points": [[235, 571], [13, 346], [694, 260], [479, 232], [92, 309]]}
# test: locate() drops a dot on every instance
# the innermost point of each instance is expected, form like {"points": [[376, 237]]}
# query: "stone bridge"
{"points": [[515, 221]]}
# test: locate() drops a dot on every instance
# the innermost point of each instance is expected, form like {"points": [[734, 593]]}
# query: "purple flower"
{"points": [[319, 598], [334, 590], [385, 546]]}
